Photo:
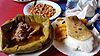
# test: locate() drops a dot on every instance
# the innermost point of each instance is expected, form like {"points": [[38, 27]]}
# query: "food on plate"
{"points": [[75, 26], [42, 9], [60, 29], [78, 36], [24, 33], [73, 34]]}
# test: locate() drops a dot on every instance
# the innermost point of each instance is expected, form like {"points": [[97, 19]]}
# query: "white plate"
{"points": [[54, 5], [31, 54], [67, 51]]}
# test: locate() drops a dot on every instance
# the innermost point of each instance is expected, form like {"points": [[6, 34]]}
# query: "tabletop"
{"points": [[9, 9]]}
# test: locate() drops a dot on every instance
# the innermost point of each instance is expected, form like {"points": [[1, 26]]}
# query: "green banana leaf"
{"points": [[8, 28]]}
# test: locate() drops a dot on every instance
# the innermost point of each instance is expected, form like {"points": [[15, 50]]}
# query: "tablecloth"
{"points": [[9, 9]]}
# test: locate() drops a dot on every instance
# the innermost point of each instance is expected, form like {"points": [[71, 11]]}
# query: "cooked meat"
{"points": [[22, 31], [24, 34]]}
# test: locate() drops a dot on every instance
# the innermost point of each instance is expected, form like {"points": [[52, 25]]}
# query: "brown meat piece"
{"points": [[22, 31]]}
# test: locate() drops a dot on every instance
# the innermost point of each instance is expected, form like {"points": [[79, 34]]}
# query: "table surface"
{"points": [[9, 9]]}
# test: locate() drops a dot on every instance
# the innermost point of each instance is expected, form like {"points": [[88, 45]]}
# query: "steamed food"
{"points": [[24, 34]]}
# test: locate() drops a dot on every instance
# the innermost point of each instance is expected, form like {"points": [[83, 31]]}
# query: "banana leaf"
{"points": [[31, 44]]}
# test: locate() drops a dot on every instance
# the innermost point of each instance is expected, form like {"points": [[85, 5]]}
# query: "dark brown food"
{"points": [[24, 34], [22, 31]]}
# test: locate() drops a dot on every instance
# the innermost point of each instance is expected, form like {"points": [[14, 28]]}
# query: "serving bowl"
{"points": [[53, 4]]}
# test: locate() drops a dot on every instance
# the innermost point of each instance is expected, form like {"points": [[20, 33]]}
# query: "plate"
{"points": [[54, 5], [67, 51]]}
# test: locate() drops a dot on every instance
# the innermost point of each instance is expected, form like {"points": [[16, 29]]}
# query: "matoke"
{"points": [[24, 33]]}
